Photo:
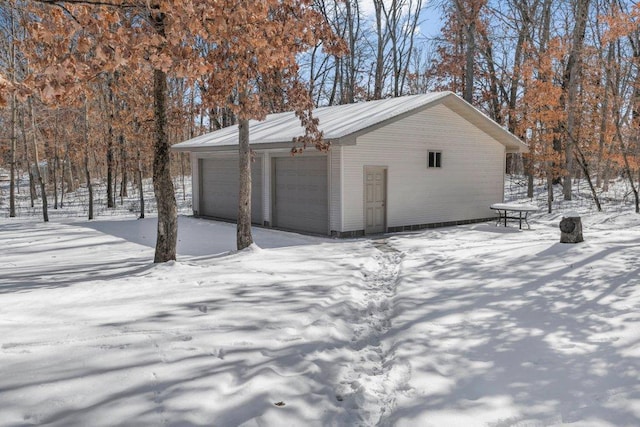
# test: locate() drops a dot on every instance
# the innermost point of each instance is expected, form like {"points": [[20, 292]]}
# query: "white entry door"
{"points": [[375, 199]]}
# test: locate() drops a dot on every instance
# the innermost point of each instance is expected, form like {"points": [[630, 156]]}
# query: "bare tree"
{"points": [[571, 83]]}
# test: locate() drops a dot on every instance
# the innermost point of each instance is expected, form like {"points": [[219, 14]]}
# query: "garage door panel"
{"points": [[220, 188], [301, 194]]}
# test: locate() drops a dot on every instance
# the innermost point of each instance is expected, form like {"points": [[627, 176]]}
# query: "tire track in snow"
{"points": [[369, 384]]}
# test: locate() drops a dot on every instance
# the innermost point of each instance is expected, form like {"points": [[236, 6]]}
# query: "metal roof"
{"points": [[339, 121]]}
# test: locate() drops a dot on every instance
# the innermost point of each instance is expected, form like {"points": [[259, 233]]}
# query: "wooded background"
{"points": [[80, 80]]}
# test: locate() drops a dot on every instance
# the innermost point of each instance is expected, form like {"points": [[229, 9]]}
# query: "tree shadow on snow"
{"points": [[543, 342], [199, 237], [547, 342], [222, 359]]}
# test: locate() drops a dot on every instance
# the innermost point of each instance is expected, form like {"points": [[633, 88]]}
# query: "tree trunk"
{"points": [[162, 184], [12, 154], [62, 174], [392, 17], [68, 177], [515, 78], [629, 173], [110, 106], [89, 186], [336, 79], [43, 189], [528, 171], [115, 180], [634, 140], [140, 185], [605, 174], [380, 44], [123, 160], [32, 183], [636, 196], [470, 61], [110, 198], [167, 237], [549, 187], [494, 84], [55, 163], [87, 173], [582, 162], [604, 118], [350, 67], [571, 80], [244, 237], [54, 180]]}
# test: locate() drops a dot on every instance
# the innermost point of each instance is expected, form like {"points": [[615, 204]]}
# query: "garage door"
{"points": [[219, 188], [300, 200]]}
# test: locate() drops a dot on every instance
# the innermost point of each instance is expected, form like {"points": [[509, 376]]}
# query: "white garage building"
{"points": [[394, 164]]}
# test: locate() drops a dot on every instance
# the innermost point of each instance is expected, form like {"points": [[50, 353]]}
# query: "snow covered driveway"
{"points": [[468, 326]]}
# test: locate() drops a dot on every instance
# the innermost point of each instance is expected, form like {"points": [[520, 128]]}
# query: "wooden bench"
{"points": [[508, 211]]}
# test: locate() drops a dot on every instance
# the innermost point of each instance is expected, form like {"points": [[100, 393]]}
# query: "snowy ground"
{"points": [[464, 326]]}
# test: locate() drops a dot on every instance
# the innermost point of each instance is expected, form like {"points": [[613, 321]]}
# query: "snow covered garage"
{"points": [[394, 164]]}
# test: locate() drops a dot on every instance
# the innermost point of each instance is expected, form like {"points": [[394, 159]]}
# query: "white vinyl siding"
{"points": [[335, 188], [470, 180], [266, 187], [462, 190], [195, 184]]}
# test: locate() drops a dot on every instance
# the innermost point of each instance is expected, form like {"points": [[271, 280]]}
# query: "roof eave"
{"points": [[512, 143], [254, 145]]}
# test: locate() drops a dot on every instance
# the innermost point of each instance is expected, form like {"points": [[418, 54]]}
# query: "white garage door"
{"points": [[301, 189], [219, 186]]}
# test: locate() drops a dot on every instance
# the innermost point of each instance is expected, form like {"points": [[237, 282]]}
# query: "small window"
{"points": [[435, 159]]}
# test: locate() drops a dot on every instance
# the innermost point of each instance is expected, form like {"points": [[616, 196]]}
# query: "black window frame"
{"points": [[434, 159]]}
